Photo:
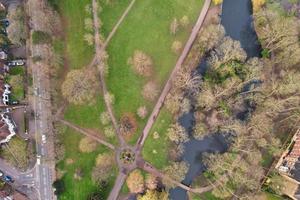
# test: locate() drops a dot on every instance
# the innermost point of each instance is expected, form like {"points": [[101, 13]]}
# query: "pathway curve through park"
{"points": [[98, 60], [168, 85]]}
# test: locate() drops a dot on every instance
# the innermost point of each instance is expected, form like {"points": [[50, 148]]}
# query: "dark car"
{"points": [[15, 102], [5, 22], [8, 179]]}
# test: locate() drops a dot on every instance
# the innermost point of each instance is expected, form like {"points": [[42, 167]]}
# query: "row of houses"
{"points": [[289, 167]]}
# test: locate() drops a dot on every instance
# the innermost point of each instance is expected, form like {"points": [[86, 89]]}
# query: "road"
{"points": [[168, 84], [41, 105]]}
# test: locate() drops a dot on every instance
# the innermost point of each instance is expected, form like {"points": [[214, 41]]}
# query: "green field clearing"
{"points": [[160, 158], [79, 189], [110, 14], [146, 28], [73, 13], [78, 54]]}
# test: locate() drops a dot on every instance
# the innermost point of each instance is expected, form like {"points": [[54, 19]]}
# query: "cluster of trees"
{"points": [[16, 31], [87, 145], [46, 27], [80, 86], [128, 124], [266, 89], [102, 170], [174, 28], [89, 26], [147, 188]]}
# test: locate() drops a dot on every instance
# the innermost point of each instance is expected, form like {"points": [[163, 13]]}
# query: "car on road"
{"points": [[44, 139], [8, 179], [19, 62], [1, 173]]}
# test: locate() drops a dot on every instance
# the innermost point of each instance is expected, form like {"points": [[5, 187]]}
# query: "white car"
{"points": [[44, 139]]}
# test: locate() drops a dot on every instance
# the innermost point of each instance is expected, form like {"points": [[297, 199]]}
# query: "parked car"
{"points": [[5, 22], [44, 139], [8, 179], [19, 62], [6, 86], [1, 173], [15, 102]]}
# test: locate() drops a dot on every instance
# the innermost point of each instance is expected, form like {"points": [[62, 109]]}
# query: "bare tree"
{"points": [[176, 133], [80, 87], [150, 91], [174, 26], [142, 63]]}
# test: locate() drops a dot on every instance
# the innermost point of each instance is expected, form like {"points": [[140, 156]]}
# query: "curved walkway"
{"points": [[100, 66], [98, 60], [168, 85]]}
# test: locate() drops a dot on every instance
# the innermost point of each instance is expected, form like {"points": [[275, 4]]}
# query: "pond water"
{"points": [[237, 20]]}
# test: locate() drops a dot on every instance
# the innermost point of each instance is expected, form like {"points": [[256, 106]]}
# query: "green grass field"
{"points": [[79, 189], [160, 158], [110, 14], [146, 28], [73, 13], [77, 55]]}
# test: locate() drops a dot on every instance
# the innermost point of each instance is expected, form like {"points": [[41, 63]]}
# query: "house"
{"points": [[6, 94], [289, 166], [8, 128], [291, 156]]}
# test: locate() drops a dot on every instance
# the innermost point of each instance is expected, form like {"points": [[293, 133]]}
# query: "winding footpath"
{"points": [[98, 60], [168, 85], [100, 66]]}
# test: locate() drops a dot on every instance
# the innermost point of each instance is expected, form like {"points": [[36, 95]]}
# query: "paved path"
{"points": [[150, 169], [168, 85], [114, 30], [114, 193], [100, 66], [86, 133]]}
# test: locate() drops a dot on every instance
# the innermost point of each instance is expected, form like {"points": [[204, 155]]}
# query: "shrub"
{"points": [[177, 170], [142, 112], [257, 4], [176, 133], [150, 91], [59, 186], [217, 2], [135, 182], [104, 160], [142, 63], [109, 132], [128, 124], [174, 26], [151, 181], [40, 37], [87, 145], [176, 46], [184, 21], [105, 118]]}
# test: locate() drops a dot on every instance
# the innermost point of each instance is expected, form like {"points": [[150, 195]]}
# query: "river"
{"points": [[237, 20]]}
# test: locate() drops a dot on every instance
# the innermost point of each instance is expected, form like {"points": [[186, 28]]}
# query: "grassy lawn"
{"points": [[160, 158], [146, 28], [16, 73], [79, 53], [110, 14], [87, 116], [79, 189], [17, 153]]}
